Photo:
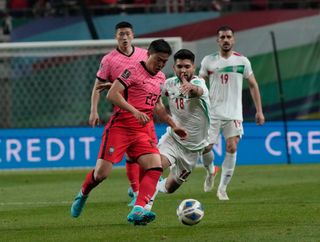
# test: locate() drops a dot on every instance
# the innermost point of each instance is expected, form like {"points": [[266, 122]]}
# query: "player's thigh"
{"points": [[232, 128], [232, 131], [214, 131], [114, 144], [168, 150], [145, 151]]}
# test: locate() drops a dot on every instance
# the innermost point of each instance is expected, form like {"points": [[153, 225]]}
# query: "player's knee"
{"points": [[100, 176]]}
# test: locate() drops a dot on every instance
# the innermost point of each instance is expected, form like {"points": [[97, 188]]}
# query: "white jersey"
{"points": [[191, 113], [225, 79]]}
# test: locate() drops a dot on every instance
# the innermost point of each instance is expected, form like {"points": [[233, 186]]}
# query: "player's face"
{"points": [[156, 62], [184, 68], [124, 36], [225, 40]]}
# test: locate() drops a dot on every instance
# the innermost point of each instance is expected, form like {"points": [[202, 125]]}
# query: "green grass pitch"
{"points": [[267, 203]]}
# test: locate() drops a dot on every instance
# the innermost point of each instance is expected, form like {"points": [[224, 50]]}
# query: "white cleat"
{"points": [[222, 195], [209, 181]]}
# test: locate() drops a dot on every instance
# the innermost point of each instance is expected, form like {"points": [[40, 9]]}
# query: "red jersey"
{"points": [[142, 90], [113, 63]]}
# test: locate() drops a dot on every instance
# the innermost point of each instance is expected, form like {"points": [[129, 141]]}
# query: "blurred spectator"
{"points": [[6, 24]]}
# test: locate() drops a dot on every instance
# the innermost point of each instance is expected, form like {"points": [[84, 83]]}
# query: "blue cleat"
{"points": [[78, 205], [140, 216], [130, 192], [133, 201]]}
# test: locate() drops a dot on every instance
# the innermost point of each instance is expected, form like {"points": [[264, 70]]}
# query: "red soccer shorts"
{"points": [[116, 141]]}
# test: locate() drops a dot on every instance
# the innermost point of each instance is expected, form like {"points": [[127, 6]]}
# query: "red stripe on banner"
{"points": [[237, 21]]}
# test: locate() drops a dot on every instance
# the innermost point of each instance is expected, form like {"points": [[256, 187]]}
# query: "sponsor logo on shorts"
{"points": [[111, 150]]}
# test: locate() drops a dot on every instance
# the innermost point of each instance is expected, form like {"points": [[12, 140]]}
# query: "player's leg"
{"points": [[232, 131], [208, 164], [112, 149], [208, 155], [133, 175], [93, 178], [153, 170], [161, 183]]}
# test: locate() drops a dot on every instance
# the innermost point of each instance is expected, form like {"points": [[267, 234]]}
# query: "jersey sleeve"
{"points": [[247, 68], [200, 82], [203, 72], [127, 77], [104, 70]]}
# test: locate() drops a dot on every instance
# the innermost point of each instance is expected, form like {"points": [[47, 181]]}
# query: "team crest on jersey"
{"points": [[235, 68], [126, 74], [111, 150]]}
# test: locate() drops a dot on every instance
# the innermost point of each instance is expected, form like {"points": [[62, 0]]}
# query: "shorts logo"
{"points": [[111, 150], [126, 74]]}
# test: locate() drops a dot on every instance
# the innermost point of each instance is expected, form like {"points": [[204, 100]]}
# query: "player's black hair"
{"points": [[184, 54], [123, 24], [225, 28], [159, 45]]}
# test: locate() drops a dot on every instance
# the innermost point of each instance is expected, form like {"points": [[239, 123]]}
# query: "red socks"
{"points": [[89, 183], [133, 173], [148, 186]]}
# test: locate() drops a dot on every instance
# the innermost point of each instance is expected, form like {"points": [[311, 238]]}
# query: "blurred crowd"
{"points": [[41, 8], [29, 8]]}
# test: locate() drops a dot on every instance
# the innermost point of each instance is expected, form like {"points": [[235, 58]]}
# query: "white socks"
{"points": [[208, 163], [228, 166]]}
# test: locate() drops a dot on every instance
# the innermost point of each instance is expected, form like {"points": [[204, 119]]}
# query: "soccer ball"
{"points": [[190, 211]]}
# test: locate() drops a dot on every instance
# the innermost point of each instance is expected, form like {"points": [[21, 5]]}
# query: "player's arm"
{"points": [[255, 94], [95, 97], [162, 113], [188, 87], [115, 97]]}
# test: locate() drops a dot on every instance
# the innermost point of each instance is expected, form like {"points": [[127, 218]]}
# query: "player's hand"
{"points": [[103, 86], [186, 86], [181, 132], [260, 118], [94, 119], [142, 117]]}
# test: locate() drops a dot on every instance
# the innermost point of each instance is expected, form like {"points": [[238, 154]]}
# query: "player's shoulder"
{"points": [[211, 57], [196, 80], [110, 55], [139, 49], [172, 79], [238, 55]]}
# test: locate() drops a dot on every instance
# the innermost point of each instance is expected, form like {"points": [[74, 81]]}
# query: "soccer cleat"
{"points": [[222, 195], [209, 181], [130, 192], [78, 205], [133, 201], [140, 216]]}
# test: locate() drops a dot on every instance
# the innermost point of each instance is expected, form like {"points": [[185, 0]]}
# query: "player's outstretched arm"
{"points": [[162, 113], [255, 94]]}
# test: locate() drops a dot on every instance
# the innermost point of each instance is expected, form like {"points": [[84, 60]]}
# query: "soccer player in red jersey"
{"points": [[137, 94], [111, 66]]}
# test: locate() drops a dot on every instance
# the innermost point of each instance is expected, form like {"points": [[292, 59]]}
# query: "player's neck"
{"points": [[226, 54], [126, 50]]}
